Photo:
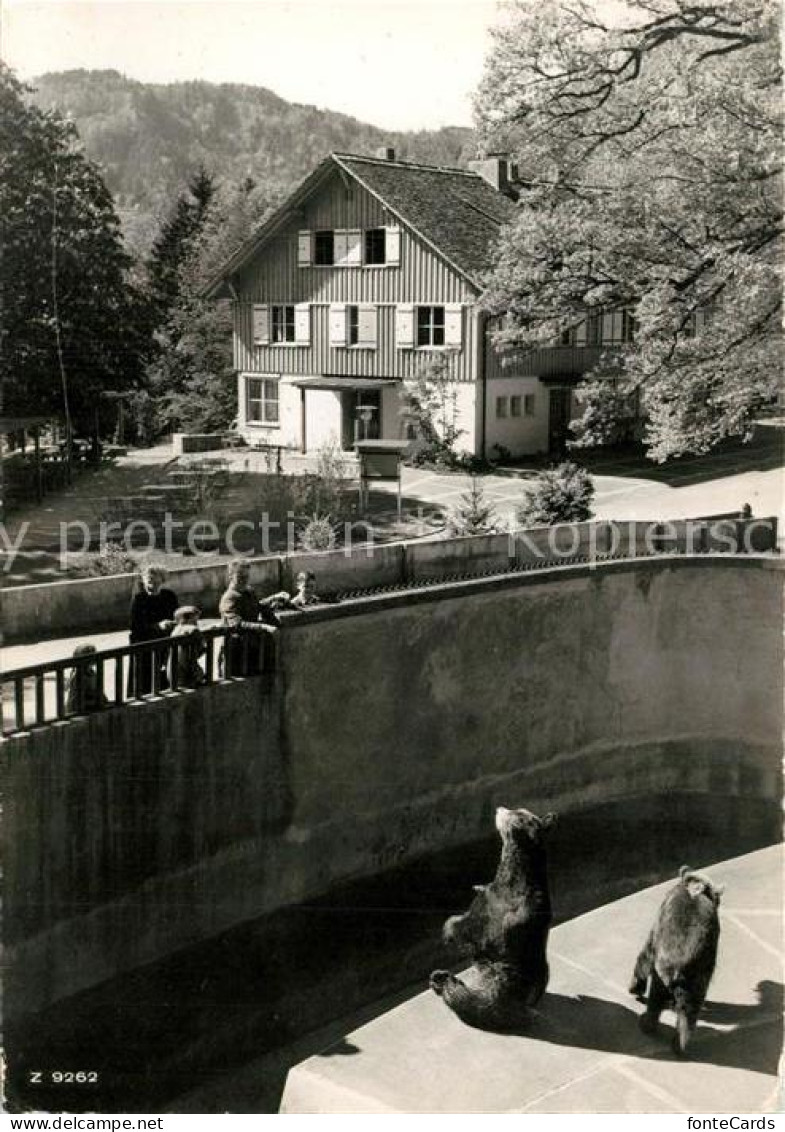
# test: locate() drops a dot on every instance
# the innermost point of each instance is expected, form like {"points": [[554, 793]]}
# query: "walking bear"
{"points": [[505, 931], [678, 958]]}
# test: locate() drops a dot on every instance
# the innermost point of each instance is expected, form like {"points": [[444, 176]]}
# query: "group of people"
{"points": [[156, 615]]}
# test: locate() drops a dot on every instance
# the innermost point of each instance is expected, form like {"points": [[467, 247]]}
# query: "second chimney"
{"points": [[498, 171], [385, 153]]}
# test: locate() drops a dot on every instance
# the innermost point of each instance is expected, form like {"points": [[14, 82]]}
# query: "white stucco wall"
{"points": [[524, 436]]}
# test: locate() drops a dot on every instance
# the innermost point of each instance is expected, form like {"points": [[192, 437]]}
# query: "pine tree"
{"points": [[473, 514]]}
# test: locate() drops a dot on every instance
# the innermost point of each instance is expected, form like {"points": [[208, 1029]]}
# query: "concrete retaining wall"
{"points": [[393, 727], [94, 604]]}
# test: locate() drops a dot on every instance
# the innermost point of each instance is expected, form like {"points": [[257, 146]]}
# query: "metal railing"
{"points": [[108, 678]]}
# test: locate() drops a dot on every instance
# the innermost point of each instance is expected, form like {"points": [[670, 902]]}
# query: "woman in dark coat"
{"points": [[252, 622], [152, 617]]}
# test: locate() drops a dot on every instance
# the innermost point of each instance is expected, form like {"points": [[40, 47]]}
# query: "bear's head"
{"points": [[697, 884], [522, 826]]}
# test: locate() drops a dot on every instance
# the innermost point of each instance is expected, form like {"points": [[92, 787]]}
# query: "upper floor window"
{"points": [[501, 407], [282, 324], [349, 247], [529, 404], [261, 406], [376, 245], [430, 326], [324, 248], [594, 330]]}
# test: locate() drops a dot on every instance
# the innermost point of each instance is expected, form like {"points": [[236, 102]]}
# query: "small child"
{"points": [[184, 666], [84, 692], [306, 590]]}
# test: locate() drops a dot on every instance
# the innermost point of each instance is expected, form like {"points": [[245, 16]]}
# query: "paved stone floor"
{"points": [[585, 1053]]}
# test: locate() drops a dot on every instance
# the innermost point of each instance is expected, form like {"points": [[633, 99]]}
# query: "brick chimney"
{"points": [[500, 173], [385, 153]]}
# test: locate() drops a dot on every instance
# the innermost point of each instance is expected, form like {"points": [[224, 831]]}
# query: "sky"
{"points": [[399, 64]]}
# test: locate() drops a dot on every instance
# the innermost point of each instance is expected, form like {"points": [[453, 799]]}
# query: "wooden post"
{"points": [[39, 482], [303, 434]]}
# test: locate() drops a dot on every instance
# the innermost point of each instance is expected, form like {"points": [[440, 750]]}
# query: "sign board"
{"points": [[380, 465]]}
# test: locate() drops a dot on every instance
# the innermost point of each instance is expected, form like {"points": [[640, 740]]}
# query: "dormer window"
{"points": [[375, 245], [324, 248]]}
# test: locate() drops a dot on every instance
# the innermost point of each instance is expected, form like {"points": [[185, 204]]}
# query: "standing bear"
{"points": [[505, 931], [678, 958]]}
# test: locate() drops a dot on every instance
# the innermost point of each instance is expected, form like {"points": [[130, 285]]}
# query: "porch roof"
{"points": [[336, 381]]}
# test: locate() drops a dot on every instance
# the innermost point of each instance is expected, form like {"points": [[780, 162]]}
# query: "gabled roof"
{"points": [[455, 211]]}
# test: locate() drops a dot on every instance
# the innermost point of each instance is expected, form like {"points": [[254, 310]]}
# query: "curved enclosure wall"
{"points": [[391, 729]]}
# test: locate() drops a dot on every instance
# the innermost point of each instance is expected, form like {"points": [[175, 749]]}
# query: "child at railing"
{"points": [[84, 691], [306, 591], [185, 669]]}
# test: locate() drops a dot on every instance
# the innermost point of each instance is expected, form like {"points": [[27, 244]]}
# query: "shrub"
{"points": [[318, 533], [562, 494], [113, 558]]}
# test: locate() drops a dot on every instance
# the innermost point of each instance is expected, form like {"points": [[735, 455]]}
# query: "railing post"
{"points": [[174, 653], [60, 693], [209, 660], [100, 675], [19, 703], [40, 708], [156, 673], [118, 679]]}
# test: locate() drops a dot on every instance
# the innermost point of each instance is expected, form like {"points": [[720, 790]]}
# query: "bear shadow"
{"points": [[599, 1024]]}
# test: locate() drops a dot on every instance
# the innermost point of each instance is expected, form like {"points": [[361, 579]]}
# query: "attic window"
{"points": [[324, 248], [375, 245]]}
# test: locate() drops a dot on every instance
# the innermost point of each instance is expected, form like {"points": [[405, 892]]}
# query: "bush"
{"points": [[563, 494], [318, 533], [473, 515], [110, 559]]}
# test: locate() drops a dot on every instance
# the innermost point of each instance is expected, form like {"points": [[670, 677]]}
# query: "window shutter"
{"points": [[340, 248], [404, 326], [608, 327], [304, 255], [261, 325], [354, 248], [338, 324], [302, 324], [392, 250], [367, 321], [453, 324]]}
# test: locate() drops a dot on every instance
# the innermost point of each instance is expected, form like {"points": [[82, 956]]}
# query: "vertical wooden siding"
{"points": [[274, 277], [322, 358]]}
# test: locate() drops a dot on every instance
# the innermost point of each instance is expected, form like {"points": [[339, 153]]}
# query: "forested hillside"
{"points": [[150, 138]]}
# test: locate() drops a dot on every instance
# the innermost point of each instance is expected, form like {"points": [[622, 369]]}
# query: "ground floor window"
{"points": [[261, 405]]}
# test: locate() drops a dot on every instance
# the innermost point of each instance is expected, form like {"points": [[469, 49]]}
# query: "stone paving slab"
{"points": [[584, 1052]]}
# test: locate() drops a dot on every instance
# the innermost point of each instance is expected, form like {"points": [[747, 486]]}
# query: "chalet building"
{"points": [[371, 269]]}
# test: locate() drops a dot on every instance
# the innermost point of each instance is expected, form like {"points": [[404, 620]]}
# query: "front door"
{"points": [[361, 416], [558, 420]]}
